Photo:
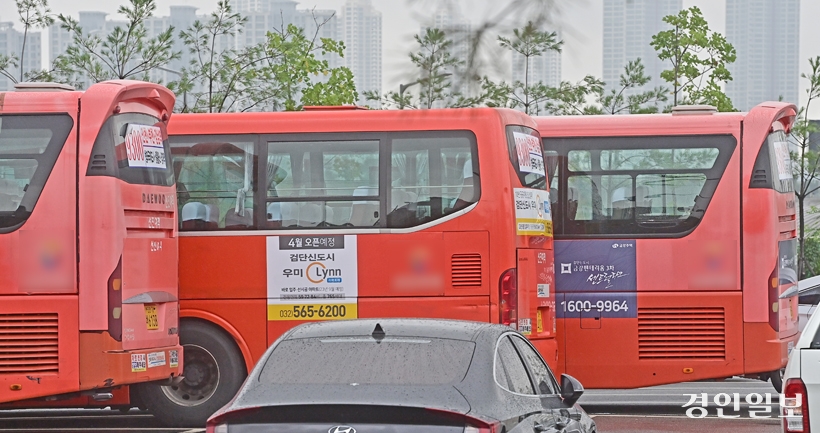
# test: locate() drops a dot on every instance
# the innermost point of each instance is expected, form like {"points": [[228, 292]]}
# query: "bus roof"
{"points": [[57, 97], [701, 122], [333, 120]]}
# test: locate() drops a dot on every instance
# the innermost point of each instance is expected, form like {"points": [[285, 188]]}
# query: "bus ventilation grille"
{"points": [[28, 343], [760, 179], [466, 270], [681, 333]]}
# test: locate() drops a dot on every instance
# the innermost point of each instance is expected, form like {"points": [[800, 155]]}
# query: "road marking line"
{"points": [[196, 430]]}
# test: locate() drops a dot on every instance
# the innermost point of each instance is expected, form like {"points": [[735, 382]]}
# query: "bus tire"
{"points": [[213, 369], [777, 379]]}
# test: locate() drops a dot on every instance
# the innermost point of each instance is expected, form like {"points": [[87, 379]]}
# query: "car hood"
{"points": [[444, 397]]}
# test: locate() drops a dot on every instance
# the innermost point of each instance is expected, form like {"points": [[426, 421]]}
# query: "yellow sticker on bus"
{"points": [[151, 317], [313, 312]]}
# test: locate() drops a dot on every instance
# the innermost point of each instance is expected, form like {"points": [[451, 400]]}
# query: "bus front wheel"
{"points": [[213, 371]]}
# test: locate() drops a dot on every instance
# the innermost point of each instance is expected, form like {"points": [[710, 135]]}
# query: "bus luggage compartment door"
{"points": [[150, 307]]}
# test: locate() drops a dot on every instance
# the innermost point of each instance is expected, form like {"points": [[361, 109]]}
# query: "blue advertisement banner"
{"points": [[595, 266], [614, 305]]}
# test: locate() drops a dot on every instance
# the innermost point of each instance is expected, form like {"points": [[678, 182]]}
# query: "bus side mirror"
{"points": [[571, 390]]}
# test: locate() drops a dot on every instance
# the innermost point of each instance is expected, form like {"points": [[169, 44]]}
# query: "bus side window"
{"points": [[638, 186], [322, 184], [365, 213], [432, 175], [215, 178]]}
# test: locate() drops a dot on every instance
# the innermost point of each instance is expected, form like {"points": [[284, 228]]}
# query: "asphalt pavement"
{"points": [[732, 396], [676, 424], [83, 420]]}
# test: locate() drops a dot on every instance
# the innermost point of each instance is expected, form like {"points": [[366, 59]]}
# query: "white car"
{"points": [[801, 390], [808, 298], [808, 293]]}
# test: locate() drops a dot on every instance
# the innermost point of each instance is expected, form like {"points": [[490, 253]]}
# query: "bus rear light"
{"points": [[795, 407], [508, 298], [774, 300], [115, 303]]}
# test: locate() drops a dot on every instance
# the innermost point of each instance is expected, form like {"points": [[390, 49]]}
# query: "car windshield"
{"points": [[364, 360], [810, 297]]}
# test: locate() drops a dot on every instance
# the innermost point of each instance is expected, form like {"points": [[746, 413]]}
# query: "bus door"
{"points": [[534, 274], [38, 290]]}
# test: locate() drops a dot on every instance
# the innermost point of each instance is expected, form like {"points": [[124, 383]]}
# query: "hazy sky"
{"points": [[580, 20]]}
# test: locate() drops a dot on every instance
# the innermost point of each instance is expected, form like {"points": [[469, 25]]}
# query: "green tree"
{"points": [[435, 67], [281, 73], [807, 165], [216, 75], [572, 98], [125, 52], [33, 14], [617, 101], [530, 42], [393, 99], [698, 56], [434, 61], [290, 72]]}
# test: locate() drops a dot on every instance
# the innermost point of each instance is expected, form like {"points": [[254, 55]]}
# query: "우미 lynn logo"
{"points": [[342, 429]]}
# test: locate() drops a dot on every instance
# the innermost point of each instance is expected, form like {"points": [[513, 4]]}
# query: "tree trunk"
{"points": [[23, 52], [801, 237]]}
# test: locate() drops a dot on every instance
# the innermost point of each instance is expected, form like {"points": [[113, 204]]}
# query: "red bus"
{"points": [[88, 242], [675, 235], [340, 213]]}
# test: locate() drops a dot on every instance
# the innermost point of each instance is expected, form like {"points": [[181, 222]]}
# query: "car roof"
{"points": [[809, 331], [449, 397], [808, 283], [428, 328], [806, 286]]}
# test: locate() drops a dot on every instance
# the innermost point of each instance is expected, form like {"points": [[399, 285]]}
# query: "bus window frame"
{"points": [[105, 145], [385, 139], [45, 166], [189, 141], [766, 161], [727, 144]]}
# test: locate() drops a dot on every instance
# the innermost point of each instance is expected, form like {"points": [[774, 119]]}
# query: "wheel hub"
{"points": [[201, 378]]}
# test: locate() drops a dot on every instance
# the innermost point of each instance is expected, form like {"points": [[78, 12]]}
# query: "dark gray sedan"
{"points": [[403, 376]]}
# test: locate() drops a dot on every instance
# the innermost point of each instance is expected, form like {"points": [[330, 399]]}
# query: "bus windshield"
{"points": [[29, 146], [527, 156], [139, 145]]}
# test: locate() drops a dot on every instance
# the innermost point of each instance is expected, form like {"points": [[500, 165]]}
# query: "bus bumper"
{"points": [[763, 350], [106, 365]]}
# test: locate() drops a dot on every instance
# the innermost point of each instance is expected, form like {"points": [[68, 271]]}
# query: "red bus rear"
{"points": [[343, 214], [88, 245], [675, 236]]}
